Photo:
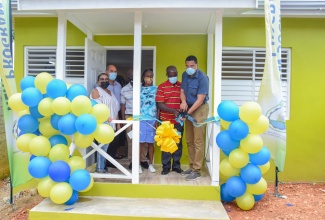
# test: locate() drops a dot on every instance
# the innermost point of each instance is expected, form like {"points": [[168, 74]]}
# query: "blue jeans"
{"points": [[100, 165]]}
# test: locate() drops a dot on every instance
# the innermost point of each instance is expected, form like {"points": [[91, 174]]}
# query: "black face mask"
{"points": [[104, 85]]}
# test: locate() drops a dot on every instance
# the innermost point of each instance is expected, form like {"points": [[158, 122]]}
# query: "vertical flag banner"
{"points": [[18, 161], [270, 95]]}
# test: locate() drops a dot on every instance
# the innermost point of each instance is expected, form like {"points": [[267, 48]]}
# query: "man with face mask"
{"points": [[168, 101], [127, 109], [194, 97], [114, 86]]}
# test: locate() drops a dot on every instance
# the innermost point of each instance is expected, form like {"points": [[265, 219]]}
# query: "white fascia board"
{"points": [[27, 5]]}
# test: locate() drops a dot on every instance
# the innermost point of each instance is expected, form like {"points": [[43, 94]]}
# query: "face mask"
{"points": [[112, 75], [190, 71], [172, 80], [148, 80], [104, 85]]}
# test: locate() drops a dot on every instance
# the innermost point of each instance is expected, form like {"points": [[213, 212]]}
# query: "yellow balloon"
{"points": [[101, 112], [61, 193], [23, 141], [81, 105], [23, 112], [61, 106], [238, 158], [45, 107], [76, 163], [258, 188], [40, 146], [46, 128], [41, 81], [15, 103], [252, 144], [227, 169], [264, 168], [225, 124], [104, 133], [83, 141], [250, 112], [259, 126], [59, 152], [44, 186], [245, 201], [90, 185]]}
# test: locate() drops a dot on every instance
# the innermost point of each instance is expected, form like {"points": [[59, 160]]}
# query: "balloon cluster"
{"points": [[167, 137], [49, 112], [247, 159]]}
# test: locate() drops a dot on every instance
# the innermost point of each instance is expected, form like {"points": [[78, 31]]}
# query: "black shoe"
{"points": [[130, 166], [177, 170], [165, 171], [144, 164]]}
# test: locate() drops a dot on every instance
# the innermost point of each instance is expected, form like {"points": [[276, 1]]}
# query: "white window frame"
{"points": [[242, 72], [51, 57]]}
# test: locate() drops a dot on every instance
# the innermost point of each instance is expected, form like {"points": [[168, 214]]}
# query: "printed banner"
{"points": [[270, 96], [18, 161]]}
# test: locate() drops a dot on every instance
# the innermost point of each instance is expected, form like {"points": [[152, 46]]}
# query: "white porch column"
{"points": [[136, 94], [217, 95], [61, 46]]}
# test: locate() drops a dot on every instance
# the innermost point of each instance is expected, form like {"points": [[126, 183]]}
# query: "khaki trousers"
{"points": [[195, 137]]}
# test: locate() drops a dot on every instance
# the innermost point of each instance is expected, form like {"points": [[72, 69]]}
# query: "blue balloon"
{"points": [[258, 197], [59, 171], [56, 88], [225, 142], [31, 96], [80, 179], [55, 120], [58, 139], [76, 90], [235, 186], [226, 152], [73, 199], [86, 124], [93, 102], [224, 194], [228, 111], [27, 124], [34, 112], [66, 124], [238, 130], [261, 157], [38, 167], [31, 157], [251, 173], [26, 82]]}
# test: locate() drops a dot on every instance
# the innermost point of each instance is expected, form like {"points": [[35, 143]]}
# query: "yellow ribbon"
{"points": [[167, 137]]}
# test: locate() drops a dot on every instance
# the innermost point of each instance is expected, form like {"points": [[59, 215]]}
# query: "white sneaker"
{"points": [[140, 169], [151, 168]]}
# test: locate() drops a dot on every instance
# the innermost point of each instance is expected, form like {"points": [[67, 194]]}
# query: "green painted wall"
{"points": [[305, 148]]}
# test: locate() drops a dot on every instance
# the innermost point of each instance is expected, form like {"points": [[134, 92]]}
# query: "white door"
{"points": [[95, 63]]}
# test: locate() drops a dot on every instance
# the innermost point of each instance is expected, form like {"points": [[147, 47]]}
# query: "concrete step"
{"points": [[95, 207]]}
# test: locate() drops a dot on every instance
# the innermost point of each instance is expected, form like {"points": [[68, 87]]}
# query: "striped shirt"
{"points": [[169, 94], [127, 98]]}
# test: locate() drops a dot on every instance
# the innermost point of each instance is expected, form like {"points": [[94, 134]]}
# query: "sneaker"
{"points": [[187, 172], [140, 169], [144, 164], [177, 170], [193, 176], [152, 169], [101, 171], [165, 171]]}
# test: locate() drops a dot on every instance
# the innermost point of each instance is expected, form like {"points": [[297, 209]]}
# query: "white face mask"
{"points": [[172, 80], [190, 71]]}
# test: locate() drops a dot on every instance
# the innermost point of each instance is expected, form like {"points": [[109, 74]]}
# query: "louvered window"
{"points": [[43, 59], [242, 72]]}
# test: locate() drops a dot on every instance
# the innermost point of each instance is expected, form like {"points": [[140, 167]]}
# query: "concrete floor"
{"points": [[135, 207]]}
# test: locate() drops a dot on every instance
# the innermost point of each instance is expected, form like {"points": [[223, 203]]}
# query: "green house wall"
{"points": [[305, 36]]}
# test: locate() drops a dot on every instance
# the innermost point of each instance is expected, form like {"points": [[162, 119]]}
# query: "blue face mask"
{"points": [[112, 75], [172, 80], [190, 71]]}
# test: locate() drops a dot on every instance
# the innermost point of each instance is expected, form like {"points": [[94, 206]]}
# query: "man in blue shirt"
{"points": [[194, 97]]}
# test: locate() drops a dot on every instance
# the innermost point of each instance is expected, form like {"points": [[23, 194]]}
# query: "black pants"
{"points": [[112, 148], [177, 155]]}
